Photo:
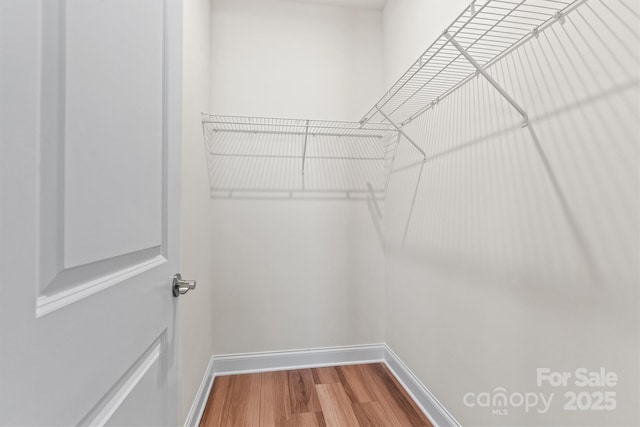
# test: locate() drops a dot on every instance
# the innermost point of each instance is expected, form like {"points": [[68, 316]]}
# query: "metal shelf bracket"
{"points": [[491, 80], [424, 155], [559, 16], [304, 150]]}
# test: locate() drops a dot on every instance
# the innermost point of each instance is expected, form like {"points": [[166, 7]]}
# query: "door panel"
{"points": [[89, 184], [113, 50], [137, 398], [101, 157]]}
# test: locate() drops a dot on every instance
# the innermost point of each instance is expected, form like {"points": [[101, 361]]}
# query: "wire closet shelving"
{"points": [[259, 155], [478, 37], [483, 33]]}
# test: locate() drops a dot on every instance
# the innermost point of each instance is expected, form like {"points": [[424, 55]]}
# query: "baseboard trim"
{"points": [[200, 400], [297, 359], [232, 364], [427, 402]]}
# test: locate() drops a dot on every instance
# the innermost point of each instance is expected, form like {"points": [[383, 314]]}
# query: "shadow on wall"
{"points": [[296, 260], [528, 236], [574, 167], [256, 158]]}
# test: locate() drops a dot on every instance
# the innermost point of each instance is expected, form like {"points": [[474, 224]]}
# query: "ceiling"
{"points": [[362, 4]]}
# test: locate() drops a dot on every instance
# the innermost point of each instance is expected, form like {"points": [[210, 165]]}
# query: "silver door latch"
{"points": [[181, 287]]}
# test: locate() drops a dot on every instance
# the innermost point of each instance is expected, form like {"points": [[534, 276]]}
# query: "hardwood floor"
{"points": [[345, 396]]}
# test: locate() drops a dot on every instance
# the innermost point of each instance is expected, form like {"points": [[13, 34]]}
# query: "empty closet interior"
{"points": [[455, 179]]}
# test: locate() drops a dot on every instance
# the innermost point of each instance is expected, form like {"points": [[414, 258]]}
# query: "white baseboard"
{"points": [[297, 359], [246, 363], [200, 401], [427, 402]]}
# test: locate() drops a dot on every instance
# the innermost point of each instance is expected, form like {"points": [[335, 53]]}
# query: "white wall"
{"points": [[521, 257], [298, 60], [291, 274], [295, 274], [196, 319]]}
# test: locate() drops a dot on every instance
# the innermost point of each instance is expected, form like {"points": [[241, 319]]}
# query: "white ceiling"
{"points": [[363, 4]]}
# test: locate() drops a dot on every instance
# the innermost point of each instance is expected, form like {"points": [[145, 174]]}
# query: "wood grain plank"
{"points": [[407, 400], [367, 395], [394, 400], [244, 405], [321, 420], [370, 414], [325, 375], [216, 403], [302, 392], [378, 388], [353, 381], [275, 405], [336, 406], [307, 419]]}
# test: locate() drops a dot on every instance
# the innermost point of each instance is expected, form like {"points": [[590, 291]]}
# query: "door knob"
{"points": [[181, 287]]}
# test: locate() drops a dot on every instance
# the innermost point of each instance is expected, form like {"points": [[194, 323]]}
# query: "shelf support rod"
{"points": [[304, 150], [402, 133], [490, 79]]}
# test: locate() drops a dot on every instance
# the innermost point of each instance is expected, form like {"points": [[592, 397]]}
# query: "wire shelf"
{"points": [[245, 124], [278, 155], [264, 154], [485, 30]]}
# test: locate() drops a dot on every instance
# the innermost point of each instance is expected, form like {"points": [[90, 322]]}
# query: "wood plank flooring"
{"points": [[341, 396]]}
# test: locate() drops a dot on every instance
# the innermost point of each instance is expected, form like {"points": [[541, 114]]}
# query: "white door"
{"points": [[90, 135]]}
